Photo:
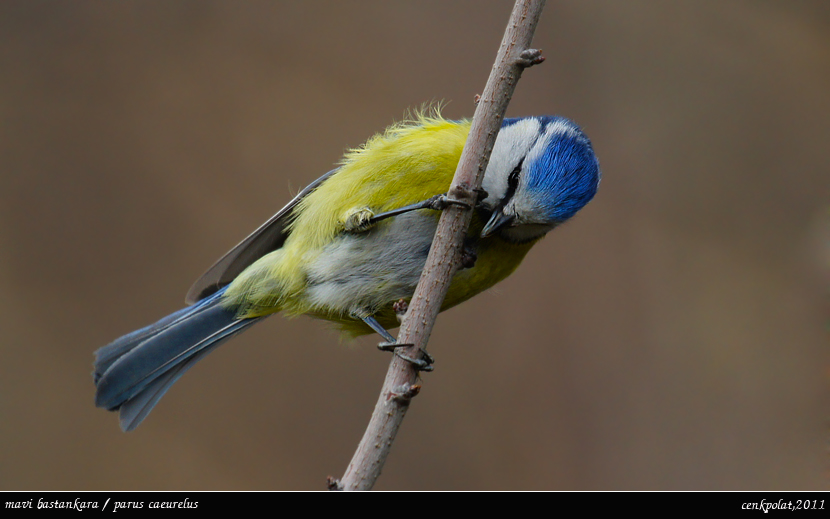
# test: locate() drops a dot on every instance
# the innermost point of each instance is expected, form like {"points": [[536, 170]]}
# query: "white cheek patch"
{"points": [[512, 144]]}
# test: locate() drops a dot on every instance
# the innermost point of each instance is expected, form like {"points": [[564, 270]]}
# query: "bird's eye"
{"points": [[513, 181]]}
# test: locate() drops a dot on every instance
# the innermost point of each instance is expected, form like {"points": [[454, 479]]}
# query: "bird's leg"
{"points": [[362, 219], [424, 364], [437, 203]]}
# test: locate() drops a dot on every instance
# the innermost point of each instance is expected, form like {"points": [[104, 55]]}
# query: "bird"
{"points": [[353, 243]]}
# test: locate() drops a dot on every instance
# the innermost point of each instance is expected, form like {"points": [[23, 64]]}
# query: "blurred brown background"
{"points": [[673, 336]]}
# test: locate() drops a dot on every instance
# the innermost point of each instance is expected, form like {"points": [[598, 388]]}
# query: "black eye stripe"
{"points": [[512, 183]]}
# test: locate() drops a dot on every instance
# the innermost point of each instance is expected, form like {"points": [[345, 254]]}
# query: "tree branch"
{"points": [[444, 257]]}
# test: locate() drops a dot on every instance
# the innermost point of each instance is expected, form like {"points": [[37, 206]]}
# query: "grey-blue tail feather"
{"points": [[133, 372]]}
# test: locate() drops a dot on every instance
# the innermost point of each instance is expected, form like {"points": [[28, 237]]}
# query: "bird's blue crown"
{"points": [[563, 174]]}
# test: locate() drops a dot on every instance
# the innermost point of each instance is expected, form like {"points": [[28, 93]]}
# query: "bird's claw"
{"points": [[423, 364], [358, 220], [441, 202]]}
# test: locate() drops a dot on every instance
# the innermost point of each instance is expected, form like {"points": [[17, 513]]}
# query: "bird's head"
{"points": [[541, 172]]}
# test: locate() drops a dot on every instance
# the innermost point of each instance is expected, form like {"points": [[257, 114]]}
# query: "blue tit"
{"points": [[354, 242]]}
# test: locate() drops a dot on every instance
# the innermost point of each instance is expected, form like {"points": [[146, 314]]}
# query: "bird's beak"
{"points": [[497, 221]]}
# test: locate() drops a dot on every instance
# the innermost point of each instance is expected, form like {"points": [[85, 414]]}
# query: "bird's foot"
{"points": [[425, 363], [441, 202], [359, 219]]}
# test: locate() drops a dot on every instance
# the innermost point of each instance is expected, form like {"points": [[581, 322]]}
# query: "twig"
{"points": [[444, 257]]}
